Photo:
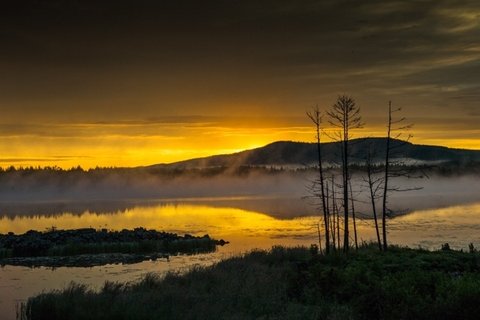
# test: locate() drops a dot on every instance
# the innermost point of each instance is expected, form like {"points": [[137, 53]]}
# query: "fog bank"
{"points": [[283, 194]]}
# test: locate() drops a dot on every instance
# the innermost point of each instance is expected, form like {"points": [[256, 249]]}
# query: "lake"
{"points": [[247, 222]]}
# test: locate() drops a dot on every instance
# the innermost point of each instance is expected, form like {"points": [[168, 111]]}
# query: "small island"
{"points": [[88, 247]]}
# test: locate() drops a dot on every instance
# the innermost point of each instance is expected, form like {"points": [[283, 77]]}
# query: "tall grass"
{"points": [[293, 283]]}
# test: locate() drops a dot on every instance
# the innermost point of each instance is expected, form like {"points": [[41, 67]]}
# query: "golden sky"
{"points": [[131, 83]]}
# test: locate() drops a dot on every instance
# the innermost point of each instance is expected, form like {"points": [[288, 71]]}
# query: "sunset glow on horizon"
{"points": [[134, 145], [119, 84]]}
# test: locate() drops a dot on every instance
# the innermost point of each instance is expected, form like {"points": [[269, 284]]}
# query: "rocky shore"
{"points": [[90, 247]]}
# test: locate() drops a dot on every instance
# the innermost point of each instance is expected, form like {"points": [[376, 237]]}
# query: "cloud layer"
{"points": [[75, 62]]}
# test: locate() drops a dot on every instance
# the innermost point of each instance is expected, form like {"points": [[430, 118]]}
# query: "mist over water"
{"points": [[254, 211], [274, 205], [142, 185], [115, 192], [280, 195]]}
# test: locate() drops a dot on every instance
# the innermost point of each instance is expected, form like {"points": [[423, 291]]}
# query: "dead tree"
{"points": [[330, 214], [386, 176], [352, 199], [335, 217], [338, 226], [374, 184], [395, 129], [319, 238], [316, 118], [334, 214], [345, 116]]}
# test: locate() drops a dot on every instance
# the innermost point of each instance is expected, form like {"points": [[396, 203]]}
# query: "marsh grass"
{"points": [[287, 283]]}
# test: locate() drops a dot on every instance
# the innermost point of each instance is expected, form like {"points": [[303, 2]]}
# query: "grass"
{"points": [[288, 283]]}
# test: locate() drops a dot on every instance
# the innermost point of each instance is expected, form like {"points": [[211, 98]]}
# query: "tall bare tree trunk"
{"points": [[391, 170], [319, 238], [338, 227], [385, 186], [346, 238], [334, 215], [316, 119], [353, 214], [371, 187], [345, 115], [330, 214]]}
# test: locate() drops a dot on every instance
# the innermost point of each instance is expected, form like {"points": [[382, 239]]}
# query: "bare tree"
{"points": [[374, 184], [316, 118], [385, 182], [331, 214], [334, 213], [352, 199], [319, 238], [395, 129], [345, 116]]}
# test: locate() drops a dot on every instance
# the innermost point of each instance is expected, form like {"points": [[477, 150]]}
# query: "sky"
{"points": [[131, 83]]}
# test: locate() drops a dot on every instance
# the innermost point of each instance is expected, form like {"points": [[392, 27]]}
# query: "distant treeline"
{"points": [[444, 168], [166, 172]]}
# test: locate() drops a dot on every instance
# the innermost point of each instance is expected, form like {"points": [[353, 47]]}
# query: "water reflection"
{"points": [[244, 229], [197, 219], [279, 207], [457, 225], [220, 218]]}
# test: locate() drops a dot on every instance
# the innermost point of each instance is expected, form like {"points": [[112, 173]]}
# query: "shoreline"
{"points": [[287, 283]]}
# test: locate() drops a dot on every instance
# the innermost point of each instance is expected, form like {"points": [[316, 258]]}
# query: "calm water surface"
{"points": [[247, 223]]}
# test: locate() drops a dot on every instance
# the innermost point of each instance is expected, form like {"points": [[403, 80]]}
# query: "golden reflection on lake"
{"points": [[241, 227], [180, 217], [245, 229]]}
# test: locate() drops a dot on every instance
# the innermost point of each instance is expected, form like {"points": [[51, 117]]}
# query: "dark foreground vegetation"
{"points": [[294, 283], [85, 247]]}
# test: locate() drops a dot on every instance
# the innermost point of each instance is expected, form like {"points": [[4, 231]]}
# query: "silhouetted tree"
{"points": [[316, 118], [333, 216], [374, 184], [352, 199], [386, 176], [345, 116], [395, 129]]}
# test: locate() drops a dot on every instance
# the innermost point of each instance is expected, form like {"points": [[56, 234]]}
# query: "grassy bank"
{"points": [[289, 283]]}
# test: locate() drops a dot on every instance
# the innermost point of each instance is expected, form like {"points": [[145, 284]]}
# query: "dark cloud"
{"points": [[161, 127], [82, 59]]}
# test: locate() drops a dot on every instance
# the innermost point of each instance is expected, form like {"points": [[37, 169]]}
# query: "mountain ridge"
{"points": [[292, 153]]}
